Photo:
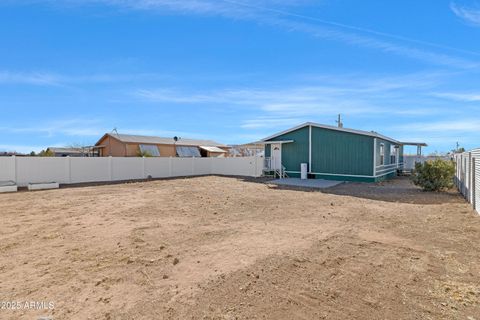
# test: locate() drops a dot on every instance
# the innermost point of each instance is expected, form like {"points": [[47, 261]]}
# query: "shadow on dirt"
{"points": [[399, 189]]}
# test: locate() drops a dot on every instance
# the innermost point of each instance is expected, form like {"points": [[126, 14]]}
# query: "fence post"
{"points": [[474, 182], [144, 174], [170, 171], [470, 177], [69, 166], [15, 170], [110, 168]]}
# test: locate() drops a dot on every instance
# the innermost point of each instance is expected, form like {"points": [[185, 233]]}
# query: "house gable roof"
{"points": [[128, 138], [324, 126]]}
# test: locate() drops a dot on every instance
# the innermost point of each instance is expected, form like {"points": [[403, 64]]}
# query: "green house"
{"points": [[334, 153]]}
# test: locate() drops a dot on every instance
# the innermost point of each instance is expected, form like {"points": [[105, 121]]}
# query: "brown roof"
{"points": [[128, 138]]}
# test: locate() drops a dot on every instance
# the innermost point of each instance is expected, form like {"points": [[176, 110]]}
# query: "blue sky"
{"points": [[237, 71]]}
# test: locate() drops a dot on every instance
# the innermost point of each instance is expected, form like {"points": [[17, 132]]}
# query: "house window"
{"points": [[188, 151], [150, 150], [393, 154], [382, 154]]}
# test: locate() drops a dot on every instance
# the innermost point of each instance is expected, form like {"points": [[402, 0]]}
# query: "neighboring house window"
{"points": [[148, 149], [188, 151], [393, 154], [382, 154]]}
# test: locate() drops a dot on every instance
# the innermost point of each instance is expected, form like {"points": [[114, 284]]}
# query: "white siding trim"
{"points": [[309, 149], [346, 175], [374, 156], [323, 126]]}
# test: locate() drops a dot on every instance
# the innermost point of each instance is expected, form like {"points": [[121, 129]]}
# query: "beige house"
{"points": [[124, 145]]}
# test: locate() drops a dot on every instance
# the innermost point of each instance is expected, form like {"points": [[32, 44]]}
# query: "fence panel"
{"points": [[410, 160], [127, 169], [38, 169], [202, 166], [24, 170], [89, 169], [7, 169], [182, 167], [237, 166], [467, 177], [158, 167], [476, 179]]}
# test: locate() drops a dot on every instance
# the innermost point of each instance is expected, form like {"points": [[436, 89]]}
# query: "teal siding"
{"points": [[294, 153], [337, 152], [336, 155]]}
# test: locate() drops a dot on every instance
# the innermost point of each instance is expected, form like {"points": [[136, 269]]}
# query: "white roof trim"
{"points": [[275, 142], [324, 126], [213, 149], [421, 144]]}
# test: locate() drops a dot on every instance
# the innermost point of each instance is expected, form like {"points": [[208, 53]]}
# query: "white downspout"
{"points": [[309, 149], [375, 157]]}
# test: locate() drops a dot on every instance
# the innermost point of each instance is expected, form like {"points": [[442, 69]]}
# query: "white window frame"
{"points": [[151, 149], [382, 154], [393, 154]]}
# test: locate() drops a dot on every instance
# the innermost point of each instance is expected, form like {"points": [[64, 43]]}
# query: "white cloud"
{"points": [[69, 127], [265, 122], [466, 97], [57, 79], [470, 16], [271, 12], [21, 148], [447, 126], [261, 12], [325, 96], [32, 78]]}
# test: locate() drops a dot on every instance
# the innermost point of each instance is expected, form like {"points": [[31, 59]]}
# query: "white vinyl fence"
{"points": [[467, 177], [410, 160], [68, 170]]}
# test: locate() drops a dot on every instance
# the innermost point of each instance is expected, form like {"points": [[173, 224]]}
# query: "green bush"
{"points": [[144, 154], [434, 175], [46, 153]]}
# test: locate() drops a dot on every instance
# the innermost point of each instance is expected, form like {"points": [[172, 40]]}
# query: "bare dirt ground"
{"points": [[227, 248]]}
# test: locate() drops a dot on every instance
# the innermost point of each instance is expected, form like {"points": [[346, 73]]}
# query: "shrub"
{"points": [[46, 153], [434, 175], [145, 154]]}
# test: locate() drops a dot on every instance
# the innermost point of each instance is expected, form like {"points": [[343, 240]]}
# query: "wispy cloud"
{"points": [[68, 127], [267, 122], [39, 78], [446, 126], [22, 148], [92, 130], [307, 90], [31, 78], [465, 97], [468, 15], [276, 13], [353, 96]]}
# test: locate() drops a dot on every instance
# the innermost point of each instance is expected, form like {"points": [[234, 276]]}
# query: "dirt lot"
{"points": [[226, 248]]}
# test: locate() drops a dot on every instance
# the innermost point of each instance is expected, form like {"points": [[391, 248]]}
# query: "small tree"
{"points": [[46, 153], [145, 154], [434, 175]]}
